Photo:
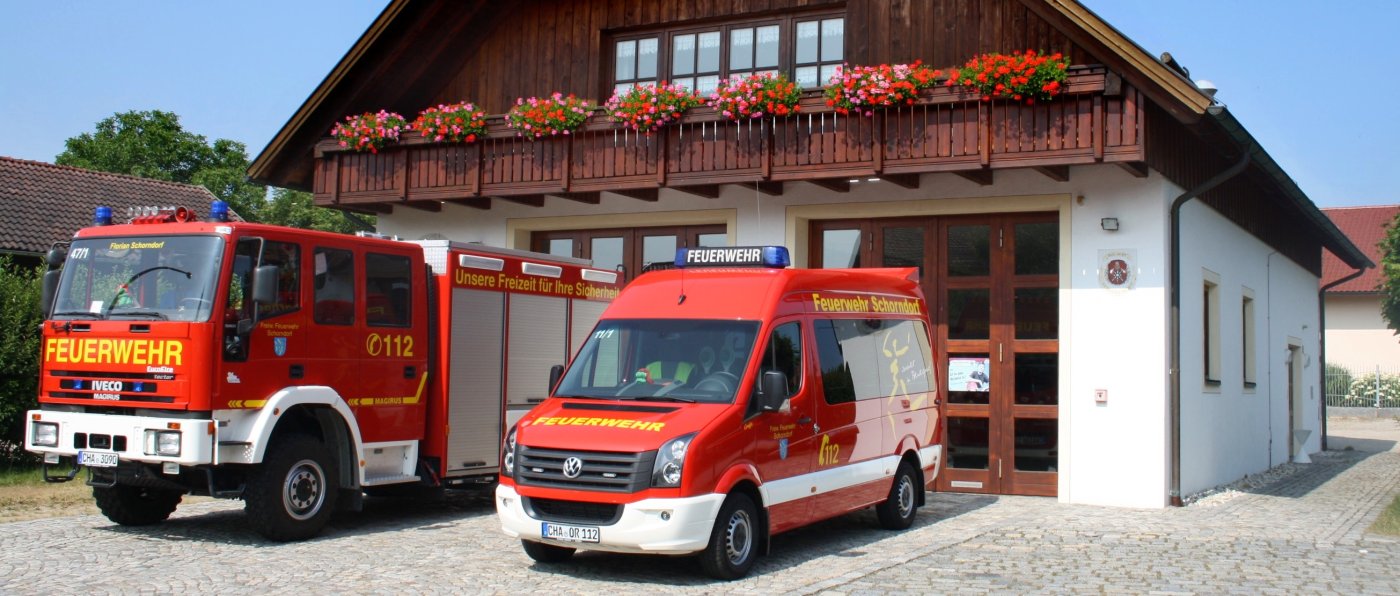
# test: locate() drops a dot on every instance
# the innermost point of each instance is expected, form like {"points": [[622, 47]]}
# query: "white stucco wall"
{"points": [[1357, 336], [1230, 430], [1111, 453]]}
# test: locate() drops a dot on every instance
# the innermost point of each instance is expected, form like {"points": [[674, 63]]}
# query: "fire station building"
{"points": [[1123, 283]]}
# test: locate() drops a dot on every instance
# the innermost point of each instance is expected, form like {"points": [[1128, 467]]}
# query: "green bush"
{"points": [[20, 319], [1338, 381]]}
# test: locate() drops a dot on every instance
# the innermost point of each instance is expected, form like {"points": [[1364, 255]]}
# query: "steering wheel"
{"points": [[720, 381]]}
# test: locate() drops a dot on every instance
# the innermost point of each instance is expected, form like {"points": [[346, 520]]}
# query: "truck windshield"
{"points": [[142, 277], [662, 360]]}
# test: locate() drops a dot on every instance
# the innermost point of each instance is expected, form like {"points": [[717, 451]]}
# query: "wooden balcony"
{"points": [[1099, 119]]}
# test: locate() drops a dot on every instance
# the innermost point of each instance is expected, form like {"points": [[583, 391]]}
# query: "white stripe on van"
{"points": [[828, 480]]}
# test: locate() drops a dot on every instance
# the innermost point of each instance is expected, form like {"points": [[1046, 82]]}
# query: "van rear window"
{"points": [[870, 358]]}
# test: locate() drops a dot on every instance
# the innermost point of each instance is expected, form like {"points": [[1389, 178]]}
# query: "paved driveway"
{"points": [[1302, 533]]}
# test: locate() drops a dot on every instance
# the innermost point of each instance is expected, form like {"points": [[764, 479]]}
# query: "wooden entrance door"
{"points": [[993, 285]]}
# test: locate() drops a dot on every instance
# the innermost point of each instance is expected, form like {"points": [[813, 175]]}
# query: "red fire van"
{"points": [[727, 400]]}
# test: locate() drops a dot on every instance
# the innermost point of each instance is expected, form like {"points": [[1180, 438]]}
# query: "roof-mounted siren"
{"points": [[102, 216], [772, 257], [218, 211]]}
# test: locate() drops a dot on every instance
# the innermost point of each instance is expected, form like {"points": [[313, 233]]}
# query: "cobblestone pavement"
{"points": [[1302, 533]]}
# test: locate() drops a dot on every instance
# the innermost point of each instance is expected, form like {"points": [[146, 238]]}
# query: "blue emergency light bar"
{"points": [[218, 211], [733, 256], [102, 216]]}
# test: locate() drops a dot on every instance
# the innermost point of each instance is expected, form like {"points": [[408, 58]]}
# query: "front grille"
{"points": [[98, 441], [601, 471], [600, 514]]}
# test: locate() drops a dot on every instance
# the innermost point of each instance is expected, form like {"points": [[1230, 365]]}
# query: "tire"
{"points": [[546, 553], [291, 495], [734, 540], [134, 505], [897, 512]]}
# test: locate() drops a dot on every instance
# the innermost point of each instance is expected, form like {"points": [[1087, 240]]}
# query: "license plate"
{"points": [[567, 533], [97, 460]]}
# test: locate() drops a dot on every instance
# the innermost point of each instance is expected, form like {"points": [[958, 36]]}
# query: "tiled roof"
{"points": [[1365, 226], [41, 203]]}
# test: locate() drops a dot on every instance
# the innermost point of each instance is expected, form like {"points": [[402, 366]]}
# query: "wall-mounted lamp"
{"points": [[1109, 224]]}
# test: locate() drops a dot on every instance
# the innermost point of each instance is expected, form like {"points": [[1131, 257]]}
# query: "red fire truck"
{"points": [[715, 405], [293, 369]]}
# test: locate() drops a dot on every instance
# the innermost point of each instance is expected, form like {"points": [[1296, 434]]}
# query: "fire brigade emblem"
{"points": [[279, 346], [1117, 272], [782, 448], [573, 467], [1116, 269]]}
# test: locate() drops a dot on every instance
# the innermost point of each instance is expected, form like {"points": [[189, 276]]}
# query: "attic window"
{"points": [[807, 48]]}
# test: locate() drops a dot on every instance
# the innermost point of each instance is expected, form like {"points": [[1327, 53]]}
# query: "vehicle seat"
{"points": [[669, 370]]}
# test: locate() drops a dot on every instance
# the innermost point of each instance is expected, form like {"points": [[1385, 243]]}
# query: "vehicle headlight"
{"points": [[670, 462], [44, 434], [508, 455], [163, 442]]}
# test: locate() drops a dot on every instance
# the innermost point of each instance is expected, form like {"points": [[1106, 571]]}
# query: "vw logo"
{"points": [[573, 467]]}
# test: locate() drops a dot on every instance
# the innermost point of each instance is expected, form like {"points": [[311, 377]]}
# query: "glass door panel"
{"points": [[1037, 445], [658, 249], [606, 252], [840, 249], [903, 247], [969, 251], [968, 443]]}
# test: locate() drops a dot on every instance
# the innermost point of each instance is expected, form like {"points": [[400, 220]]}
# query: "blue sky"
{"points": [[1312, 80]]}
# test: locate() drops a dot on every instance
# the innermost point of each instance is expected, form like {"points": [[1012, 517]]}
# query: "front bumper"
{"points": [[123, 435], [639, 529]]}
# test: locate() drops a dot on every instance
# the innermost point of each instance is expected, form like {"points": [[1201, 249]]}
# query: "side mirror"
{"points": [[265, 284], [772, 391], [49, 290], [555, 373]]}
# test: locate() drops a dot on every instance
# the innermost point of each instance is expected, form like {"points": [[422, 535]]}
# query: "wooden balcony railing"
{"points": [[1098, 119]]}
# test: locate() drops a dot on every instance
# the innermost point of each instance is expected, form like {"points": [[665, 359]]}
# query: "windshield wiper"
{"points": [[77, 313], [140, 313], [665, 398]]}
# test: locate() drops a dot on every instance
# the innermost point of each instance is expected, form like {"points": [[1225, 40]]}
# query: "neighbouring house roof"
{"points": [[42, 203], [1366, 227]]}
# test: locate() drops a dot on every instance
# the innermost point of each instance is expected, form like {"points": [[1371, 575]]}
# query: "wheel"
{"points": [[546, 553], [734, 540], [292, 494], [897, 512], [134, 505]]}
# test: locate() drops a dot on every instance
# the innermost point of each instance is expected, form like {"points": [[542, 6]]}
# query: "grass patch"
{"points": [[1389, 521], [21, 476]]}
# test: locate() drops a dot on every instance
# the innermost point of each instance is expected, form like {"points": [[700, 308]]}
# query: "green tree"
{"points": [[19, 353], [294, 208], [153, 144], [1390, 275]]}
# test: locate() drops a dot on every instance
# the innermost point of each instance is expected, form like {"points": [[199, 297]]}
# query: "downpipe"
{"points": [[1174, 367], [1322, 351]]}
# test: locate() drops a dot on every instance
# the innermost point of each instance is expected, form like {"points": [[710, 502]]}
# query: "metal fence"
{"points": [[1374, 387]]}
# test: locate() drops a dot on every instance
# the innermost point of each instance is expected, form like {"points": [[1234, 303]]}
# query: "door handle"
{"points": [[804, 420], [408, 372], [296, 371]]}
